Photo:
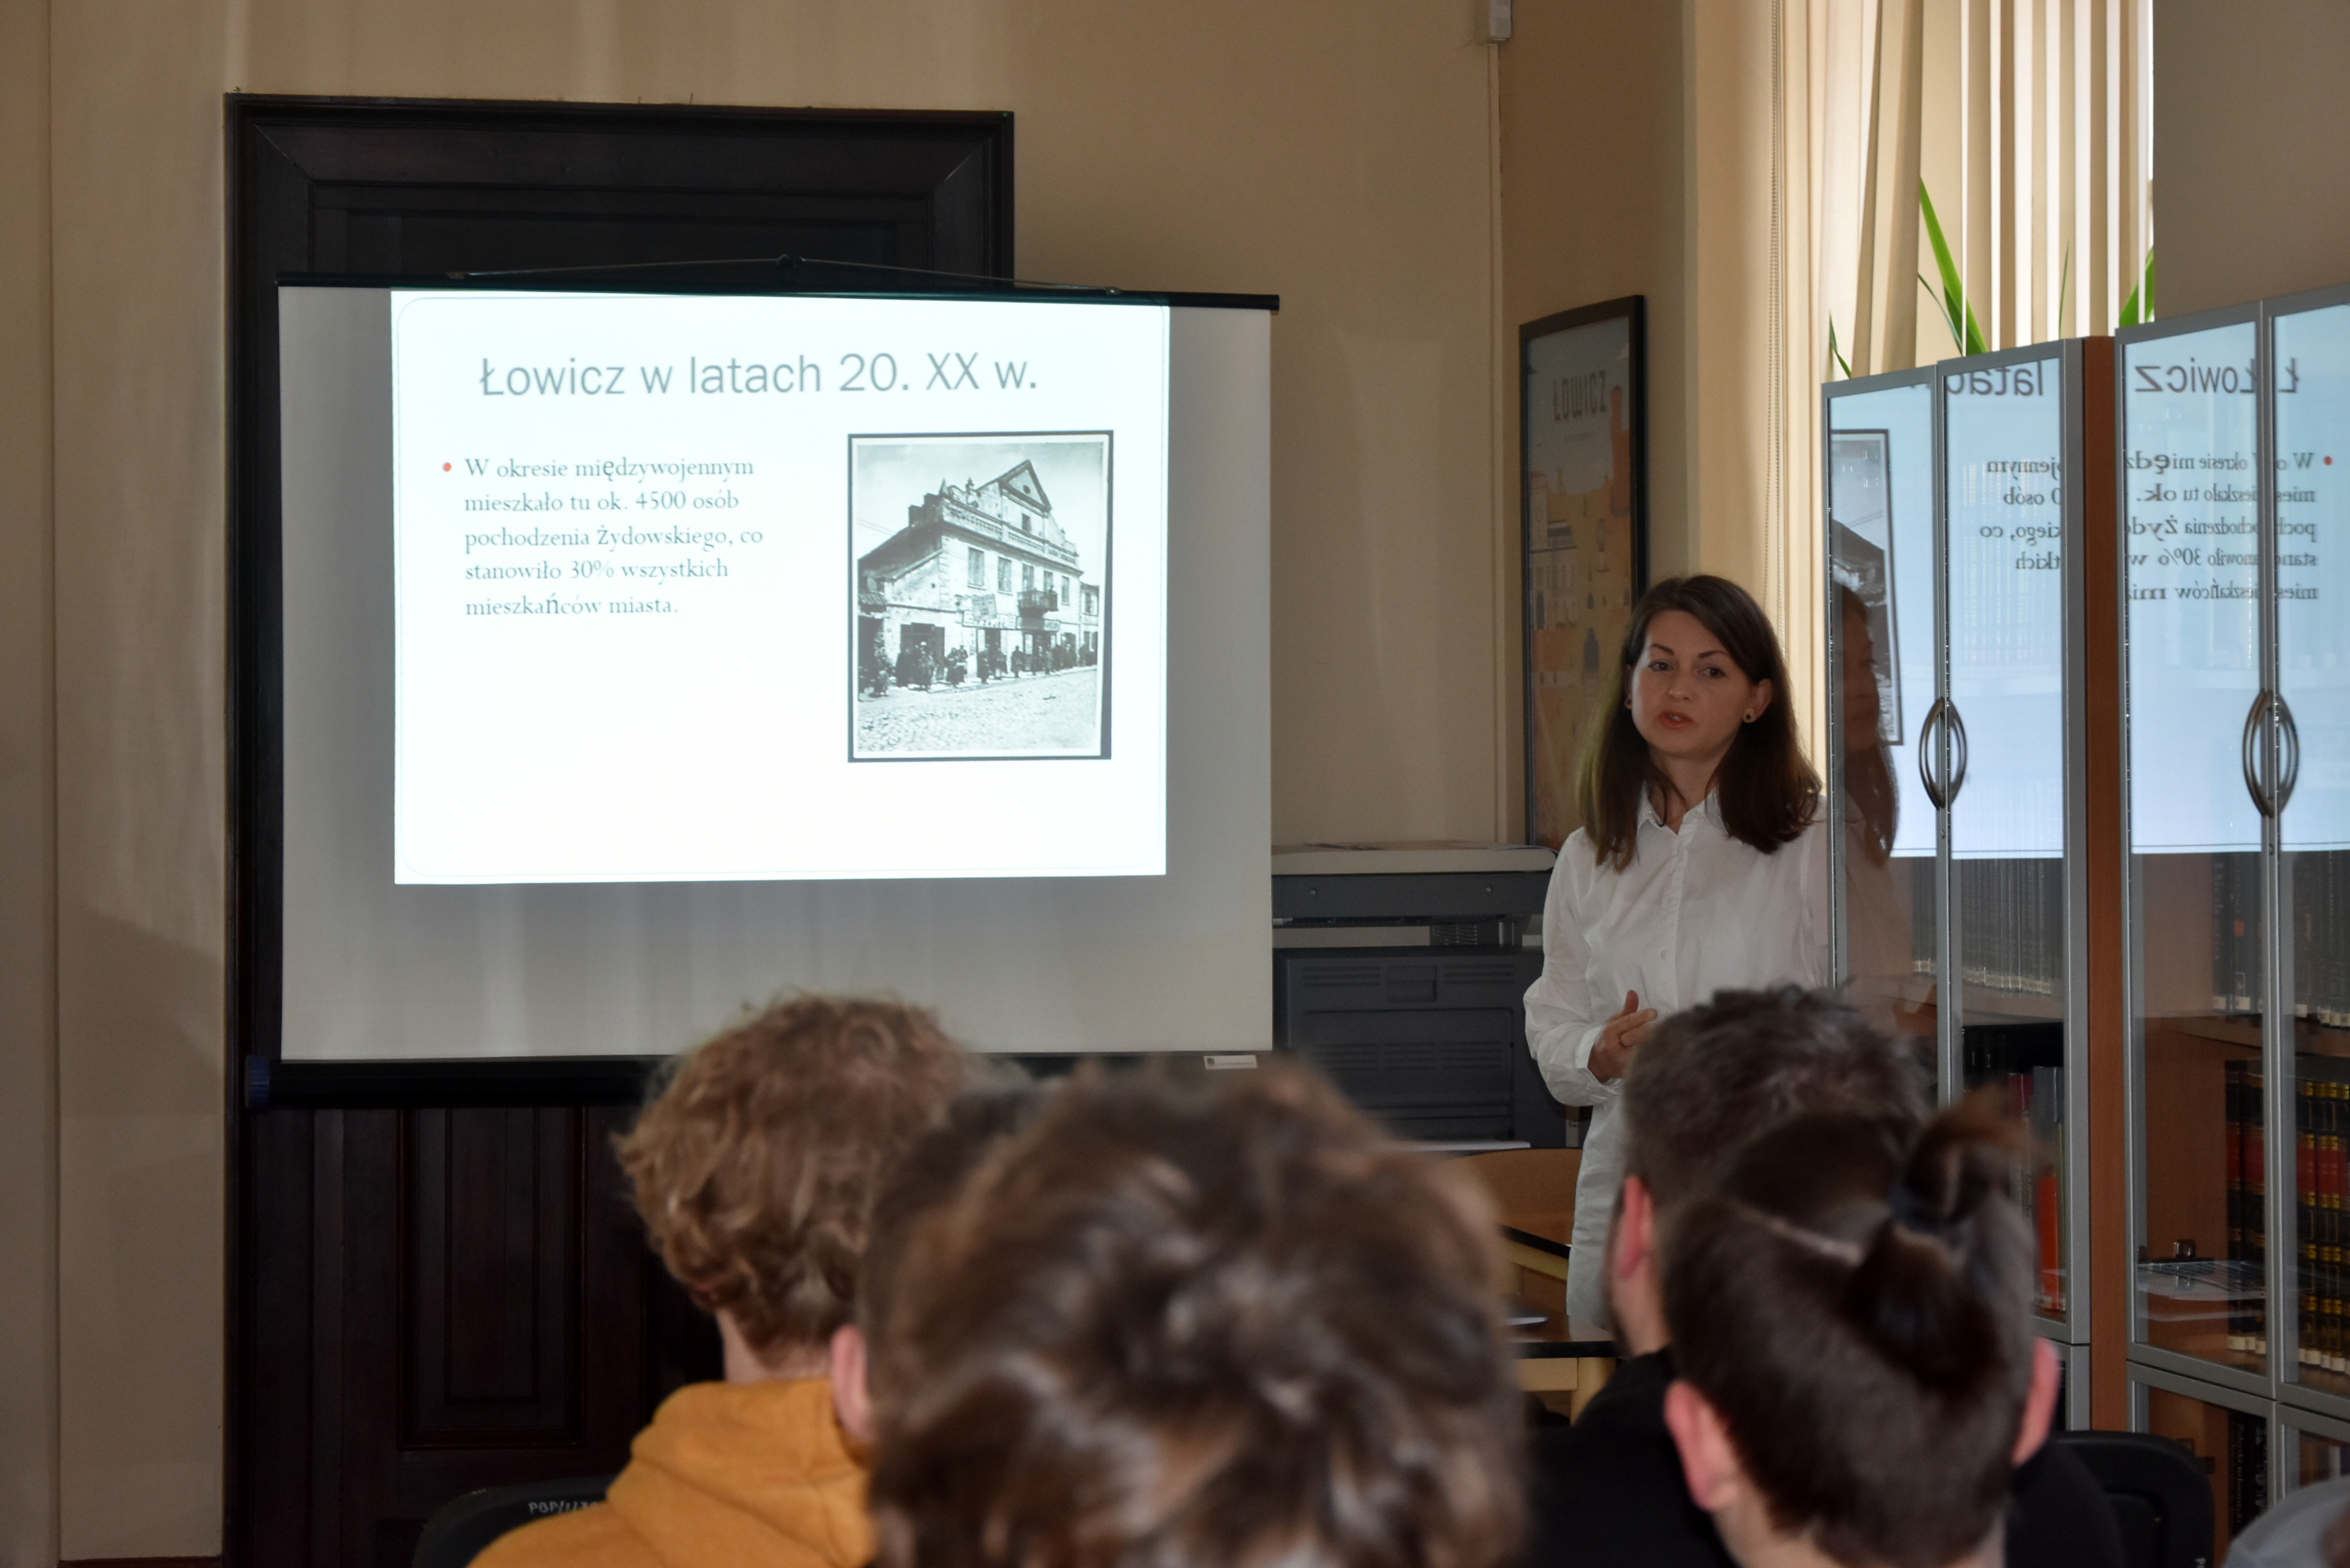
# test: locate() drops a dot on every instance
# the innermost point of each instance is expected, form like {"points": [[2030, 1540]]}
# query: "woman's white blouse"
{"points": [[1696, 912]]}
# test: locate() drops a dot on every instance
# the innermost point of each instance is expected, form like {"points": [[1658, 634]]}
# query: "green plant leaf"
{"points": [[1958, 314], [2139, 305], [1840, 362]]}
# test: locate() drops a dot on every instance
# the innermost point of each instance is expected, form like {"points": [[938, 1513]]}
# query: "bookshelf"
{"points": [[1960, 519], [2234, 455]]}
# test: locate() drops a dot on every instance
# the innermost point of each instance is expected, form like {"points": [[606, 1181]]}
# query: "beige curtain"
{"points": [[2028, 122]]}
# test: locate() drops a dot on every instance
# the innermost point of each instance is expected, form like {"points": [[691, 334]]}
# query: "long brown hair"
{"points": [[1853, 1300], [1767, 791]]}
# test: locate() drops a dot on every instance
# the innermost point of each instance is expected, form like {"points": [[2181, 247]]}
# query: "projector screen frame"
{"points": [[269, 1077]]}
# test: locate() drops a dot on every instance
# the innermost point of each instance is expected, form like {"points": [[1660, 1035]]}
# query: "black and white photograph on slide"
{"points": [[983, 583]]}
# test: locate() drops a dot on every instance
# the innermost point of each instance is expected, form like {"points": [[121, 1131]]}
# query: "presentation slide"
{"points": [[2003, 463], [2313, 513], [609, 714], [725, 588], [2189, 420]]}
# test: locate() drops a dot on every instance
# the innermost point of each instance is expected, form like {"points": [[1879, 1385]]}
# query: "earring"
{"points": [[1749, 715]]}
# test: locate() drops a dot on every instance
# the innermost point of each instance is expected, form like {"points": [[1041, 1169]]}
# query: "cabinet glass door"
{"points": [[2311, 350], [1883, 683], [2231, 1444], [2313, 1458], [2191, 574], [2006, 478]]}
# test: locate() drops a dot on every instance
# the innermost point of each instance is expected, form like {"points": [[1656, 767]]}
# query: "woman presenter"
{"points": [[1700, 865]]}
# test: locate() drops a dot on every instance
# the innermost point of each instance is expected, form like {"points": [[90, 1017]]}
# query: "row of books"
{"points": [[2024, 1061], [2322, 1215], [2321, 1211], [2246, 1157], [2320, 917], [2321, 932], [2248, 1469], [2011, 924]]}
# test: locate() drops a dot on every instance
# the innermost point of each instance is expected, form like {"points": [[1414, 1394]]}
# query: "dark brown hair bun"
{"points": [[1854, 1299], [1915, 1294]]}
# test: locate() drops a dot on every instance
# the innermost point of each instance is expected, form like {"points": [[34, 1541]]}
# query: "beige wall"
{"points": [[1591, 209], [2251, 150], [1636, 159], [28, 759], [1337, 153]]}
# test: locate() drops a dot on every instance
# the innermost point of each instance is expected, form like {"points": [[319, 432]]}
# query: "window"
{"points": [[1027, 577], [1064, 587], [1003, 574], [1093, 600], [979, 568]]}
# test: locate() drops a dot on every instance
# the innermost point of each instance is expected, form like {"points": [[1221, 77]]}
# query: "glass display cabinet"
{"points": [[2312, 1449], [2233, 1436], [2235, 437], [1955, 519]]}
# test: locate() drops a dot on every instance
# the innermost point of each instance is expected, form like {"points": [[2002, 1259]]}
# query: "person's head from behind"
{"points": [[1217, 1324], [1709, 1079], [758, 1158], [1850, 1313], [1699, 694], [925, 1179]]}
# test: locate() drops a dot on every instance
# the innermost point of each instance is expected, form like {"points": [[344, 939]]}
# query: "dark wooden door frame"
{"points": [[393, 188]]}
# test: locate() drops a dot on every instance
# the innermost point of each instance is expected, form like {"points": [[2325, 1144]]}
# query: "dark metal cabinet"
{"points": [[1430, 1041]]}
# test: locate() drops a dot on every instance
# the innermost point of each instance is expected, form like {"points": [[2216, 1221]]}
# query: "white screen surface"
{"points": [[2189, 430], [709, 589], [377, 968]]}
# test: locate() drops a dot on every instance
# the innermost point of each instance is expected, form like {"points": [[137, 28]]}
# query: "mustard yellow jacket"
{"points": [[726, 1475]]}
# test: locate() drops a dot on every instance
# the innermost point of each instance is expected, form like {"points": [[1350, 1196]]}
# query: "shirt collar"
{"points": [[1709, 810]]}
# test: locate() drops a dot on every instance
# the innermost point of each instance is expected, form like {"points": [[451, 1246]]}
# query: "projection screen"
{"points": [[646, 656]]}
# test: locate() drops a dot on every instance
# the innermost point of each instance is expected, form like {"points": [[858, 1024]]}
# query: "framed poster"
{"points": [[1584, 489]]}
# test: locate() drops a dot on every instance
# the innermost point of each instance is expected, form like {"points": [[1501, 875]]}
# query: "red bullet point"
{"points": [[445, 467]]}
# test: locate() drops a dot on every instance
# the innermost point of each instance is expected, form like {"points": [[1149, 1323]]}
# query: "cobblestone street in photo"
{"points": [[1034, 713]]}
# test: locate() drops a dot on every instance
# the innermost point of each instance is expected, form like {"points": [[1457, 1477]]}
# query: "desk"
{"points": [[1566, 1366], [1564, 1360]]}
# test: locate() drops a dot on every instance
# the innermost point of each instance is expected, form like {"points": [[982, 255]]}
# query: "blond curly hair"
{"points": [[756, 1161]]}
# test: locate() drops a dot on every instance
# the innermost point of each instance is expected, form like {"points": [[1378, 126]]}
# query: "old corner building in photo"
{"points": [[984, 585]]}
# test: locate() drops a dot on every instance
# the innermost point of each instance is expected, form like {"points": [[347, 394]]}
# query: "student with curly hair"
{"points": [[1217, 1324], [755, 1166]]}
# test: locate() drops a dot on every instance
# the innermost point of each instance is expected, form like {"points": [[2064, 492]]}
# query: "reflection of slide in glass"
{"points": [[982, 603], [1860, 504], [622, 649]]}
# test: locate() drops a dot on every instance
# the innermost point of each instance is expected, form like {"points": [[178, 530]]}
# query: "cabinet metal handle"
{"points": [[2291, 741], [1957, 723], [1929, 774], [2253, 720]]}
